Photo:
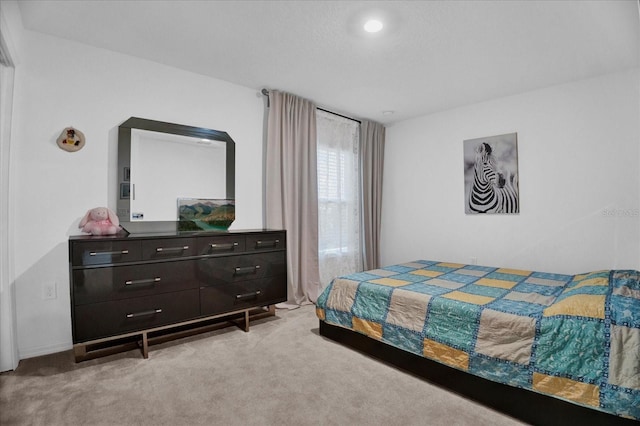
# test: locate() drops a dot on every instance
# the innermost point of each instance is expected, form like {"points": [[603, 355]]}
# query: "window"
{"points": [[339, 201]]}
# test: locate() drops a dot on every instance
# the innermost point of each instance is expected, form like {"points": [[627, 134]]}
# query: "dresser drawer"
{"points": [[104, 252], [98, 320], [270, 241], [168, 248], [227, 297], [220, 244], [121, 282], [220, 270]]}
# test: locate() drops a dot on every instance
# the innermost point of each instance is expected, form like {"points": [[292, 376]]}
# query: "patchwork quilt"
{"points": [[574, 337]]}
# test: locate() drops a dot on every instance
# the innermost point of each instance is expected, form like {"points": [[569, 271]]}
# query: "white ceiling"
{"points": [[431, 55]]}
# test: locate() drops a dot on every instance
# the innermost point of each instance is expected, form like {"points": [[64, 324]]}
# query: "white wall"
{"points": [[578, 149], [62, 83]]}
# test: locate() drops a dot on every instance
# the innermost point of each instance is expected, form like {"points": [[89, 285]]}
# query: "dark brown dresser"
{"points": [[130, 288]]}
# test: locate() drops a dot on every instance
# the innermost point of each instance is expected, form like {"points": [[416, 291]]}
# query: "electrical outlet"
{"points": [[49, 290], [474, 260]]}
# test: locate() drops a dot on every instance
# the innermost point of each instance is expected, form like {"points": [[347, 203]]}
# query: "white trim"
{"points": [[44, 350], [9, 356]]}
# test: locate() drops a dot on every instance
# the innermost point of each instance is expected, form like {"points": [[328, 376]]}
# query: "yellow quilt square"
{"points": [[391, 282], [469, 298], [514, 272], [320, 314], [597, 281], [583, 276], [492, 282], [580, 392], [426, 273], [446, 354], [369, 328], [451, 265], [584, 305]]}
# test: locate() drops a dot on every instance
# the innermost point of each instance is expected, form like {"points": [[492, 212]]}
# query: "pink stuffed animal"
{"points": [[100, 221]]}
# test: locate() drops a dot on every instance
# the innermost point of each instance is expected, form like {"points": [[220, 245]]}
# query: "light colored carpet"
{"points": [[279, 373]]}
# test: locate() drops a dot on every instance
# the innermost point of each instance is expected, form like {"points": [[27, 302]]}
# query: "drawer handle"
{"points": [[247, 295], [162, 249], [144, 281], [273, 243], [230, 246], [108, 253], [144, 313], [247, 270]]}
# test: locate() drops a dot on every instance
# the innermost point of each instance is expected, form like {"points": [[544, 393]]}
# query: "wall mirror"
{"points": [[160, 163]]}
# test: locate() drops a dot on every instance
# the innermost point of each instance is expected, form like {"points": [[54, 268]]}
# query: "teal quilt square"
{"points": [[361, 276], [402, 338], [552, 277], [322, 299], [426, 262], [501, 371], [453, 322], [345, 319], [625, 311], [573, 347], [483, 290], [425, 288], [372, 302], [525, 287], [410, 277], [399, 269], [627, 278], [506, 277], [623, 401]]}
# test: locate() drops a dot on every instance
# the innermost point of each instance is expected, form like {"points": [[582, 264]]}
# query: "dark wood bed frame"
{"points": [[524, 405]]}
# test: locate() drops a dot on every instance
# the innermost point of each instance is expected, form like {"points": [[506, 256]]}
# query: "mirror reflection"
{"points": [[166, 168], [163, 164]]}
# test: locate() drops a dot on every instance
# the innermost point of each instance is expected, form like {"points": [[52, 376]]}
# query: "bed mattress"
{"points": [[573, 337]]}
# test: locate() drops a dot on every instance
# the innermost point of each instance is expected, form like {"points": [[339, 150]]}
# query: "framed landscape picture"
{"points": [[206, 214]]}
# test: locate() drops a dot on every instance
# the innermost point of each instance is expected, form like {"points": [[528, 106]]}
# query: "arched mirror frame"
{"points": [[124, 152]]}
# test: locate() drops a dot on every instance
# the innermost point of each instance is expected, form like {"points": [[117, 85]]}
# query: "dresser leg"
{"points": [[79, 352], [246, 320], [145, 346]]}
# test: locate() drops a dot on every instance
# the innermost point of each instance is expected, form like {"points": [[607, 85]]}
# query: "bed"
{"points": [[543, 347]]}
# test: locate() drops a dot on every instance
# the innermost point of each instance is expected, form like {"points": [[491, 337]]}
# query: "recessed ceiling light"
{"points": [[373, 26], [387, 112]]}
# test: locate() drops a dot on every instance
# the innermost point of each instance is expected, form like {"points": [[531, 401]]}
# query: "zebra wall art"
{"points": [[491, 175]]}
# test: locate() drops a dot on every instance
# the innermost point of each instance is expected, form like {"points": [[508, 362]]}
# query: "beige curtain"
{"points": [[372, 157], [292, 191]]}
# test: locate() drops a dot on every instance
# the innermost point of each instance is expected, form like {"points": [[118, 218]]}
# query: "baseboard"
{"points": [[43, 350]]}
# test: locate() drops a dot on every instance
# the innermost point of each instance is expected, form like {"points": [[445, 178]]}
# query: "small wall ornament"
{"points": [[71, 139]]}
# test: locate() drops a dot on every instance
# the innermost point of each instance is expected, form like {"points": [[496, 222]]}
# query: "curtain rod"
{"points": [[265, 92]]}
